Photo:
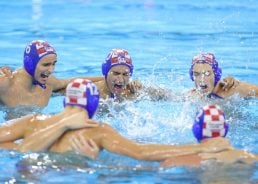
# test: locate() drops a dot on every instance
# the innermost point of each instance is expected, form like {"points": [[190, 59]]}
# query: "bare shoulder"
{"points": [[245, 89], [102, 88]]}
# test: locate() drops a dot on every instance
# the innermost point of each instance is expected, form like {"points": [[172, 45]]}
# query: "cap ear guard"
{"points": [[226, 129], [104, 69], [218, 74], [191, 73], [29, 65], [92, 99], [197, 126]]}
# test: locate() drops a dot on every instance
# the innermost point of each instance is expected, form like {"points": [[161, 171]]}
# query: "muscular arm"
{"points": [[244, 89], [41, 140], [59, 85], [185, 160], [53, 129], [115, 143], [230, 156], [226, 157], [14, 129]]}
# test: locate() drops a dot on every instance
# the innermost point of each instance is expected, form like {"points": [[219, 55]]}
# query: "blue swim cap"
{"points": [[210, 122], [82, 93], [210, 59], [117, 57], [34, 51]]}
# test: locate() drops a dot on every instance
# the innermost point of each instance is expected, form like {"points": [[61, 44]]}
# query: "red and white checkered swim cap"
{"points": [[116, 57], [210, 122], [82, 93]]}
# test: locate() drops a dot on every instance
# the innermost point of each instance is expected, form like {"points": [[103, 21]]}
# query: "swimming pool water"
{"points": [[162, 37]]}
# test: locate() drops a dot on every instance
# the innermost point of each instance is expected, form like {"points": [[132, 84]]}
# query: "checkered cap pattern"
{"points": [[43, 48], [204, 57], [116, 57], [213, 122], [76, 92], [120, 56]]}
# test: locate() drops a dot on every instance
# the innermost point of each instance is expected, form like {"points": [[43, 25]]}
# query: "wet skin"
{"points": [[117, 79], [204, 78]]}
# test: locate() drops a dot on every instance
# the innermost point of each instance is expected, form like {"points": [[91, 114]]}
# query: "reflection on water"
{"points": [[43, 167]]}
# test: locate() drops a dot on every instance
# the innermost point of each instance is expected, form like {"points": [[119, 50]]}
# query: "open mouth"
{"points": [[118, 88], [203, 87], [44, 75]]}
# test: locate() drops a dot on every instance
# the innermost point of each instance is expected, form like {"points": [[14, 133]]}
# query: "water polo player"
{"points": [[206, 74], [210, 123], [66, 131], [33, 84]]}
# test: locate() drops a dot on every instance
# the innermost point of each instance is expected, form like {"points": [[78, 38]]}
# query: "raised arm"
{"points": [[114, 142]]}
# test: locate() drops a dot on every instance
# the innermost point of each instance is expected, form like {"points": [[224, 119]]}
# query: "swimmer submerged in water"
{"points": [[209, 123], [66, 131], [206, 74], [33, 84], [117, 70]]}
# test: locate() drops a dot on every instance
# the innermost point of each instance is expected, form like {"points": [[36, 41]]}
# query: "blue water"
{"points": [[162, 37]]}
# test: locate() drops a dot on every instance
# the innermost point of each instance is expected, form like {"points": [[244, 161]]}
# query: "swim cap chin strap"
{"points": [[210, 59], [209, 122], [34, 51], [82, 93]]}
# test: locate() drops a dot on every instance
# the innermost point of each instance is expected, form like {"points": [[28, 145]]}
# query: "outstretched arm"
{"points": [[54, 129], [246, 89], [185, 160], [59, 85], [226, 157], [114, 142], [230, 156], [229, 86], [14, 129]]}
